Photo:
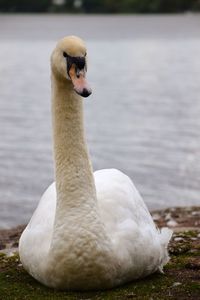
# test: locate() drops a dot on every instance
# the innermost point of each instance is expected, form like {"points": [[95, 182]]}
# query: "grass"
{"points": [[180, 281]]}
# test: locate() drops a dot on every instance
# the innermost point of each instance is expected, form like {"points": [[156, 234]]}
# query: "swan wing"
{"points": [[139, 245], [35, 240], [119, 201]]}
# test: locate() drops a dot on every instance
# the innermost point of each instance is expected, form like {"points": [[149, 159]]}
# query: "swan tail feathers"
{"points": [[165, 236]]}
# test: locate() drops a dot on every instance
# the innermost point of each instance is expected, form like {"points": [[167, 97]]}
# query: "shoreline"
{"points": [[177, 218]]}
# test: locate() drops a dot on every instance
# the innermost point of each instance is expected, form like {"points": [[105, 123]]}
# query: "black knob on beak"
{"points": [[85, 93]]}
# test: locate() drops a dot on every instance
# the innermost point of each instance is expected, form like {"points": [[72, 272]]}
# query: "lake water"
{"points": [[143, 116]]}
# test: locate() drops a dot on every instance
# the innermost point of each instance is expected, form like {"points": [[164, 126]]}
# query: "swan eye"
{"points": [[64, 54]]}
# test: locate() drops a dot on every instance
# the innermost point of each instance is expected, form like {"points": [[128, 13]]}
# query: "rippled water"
{"points": [[143, 116]]}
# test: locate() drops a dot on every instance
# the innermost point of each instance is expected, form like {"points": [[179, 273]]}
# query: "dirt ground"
{"points": [[180, 281]]}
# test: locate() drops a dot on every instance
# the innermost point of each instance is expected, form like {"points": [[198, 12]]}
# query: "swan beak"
{"points": [[79, 81]]}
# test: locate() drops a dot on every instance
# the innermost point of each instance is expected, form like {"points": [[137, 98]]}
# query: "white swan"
{"points": [[88, 231]]}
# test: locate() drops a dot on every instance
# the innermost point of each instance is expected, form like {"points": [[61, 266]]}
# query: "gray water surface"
{"points": [[142, 118]]}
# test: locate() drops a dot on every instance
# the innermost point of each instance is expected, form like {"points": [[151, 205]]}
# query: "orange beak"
{"points": [[79, 81]]}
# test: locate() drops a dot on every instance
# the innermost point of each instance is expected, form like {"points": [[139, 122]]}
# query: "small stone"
{"points": [[176, 283], [195, 213], [193, 250], [156, 217], [172, 223], [178, 239], [10, 254], [168, 217]]}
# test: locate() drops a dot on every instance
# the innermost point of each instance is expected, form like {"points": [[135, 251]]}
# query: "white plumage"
{"points": [[88, 232]]}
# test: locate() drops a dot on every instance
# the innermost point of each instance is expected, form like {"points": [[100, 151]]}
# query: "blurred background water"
{"points": [[142, 118]]}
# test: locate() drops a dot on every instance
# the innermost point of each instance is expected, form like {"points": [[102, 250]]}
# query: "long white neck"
{"points": [[73, 173], [79, 242]]}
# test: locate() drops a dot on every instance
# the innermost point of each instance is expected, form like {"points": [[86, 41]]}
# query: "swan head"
{"points": [[69, 64]]}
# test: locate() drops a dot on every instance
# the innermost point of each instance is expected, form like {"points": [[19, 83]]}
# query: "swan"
{"points": [[89, 231]]}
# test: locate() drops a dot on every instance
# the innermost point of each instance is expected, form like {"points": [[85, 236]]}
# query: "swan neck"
{"points": [[73, 171], [77, 223]]}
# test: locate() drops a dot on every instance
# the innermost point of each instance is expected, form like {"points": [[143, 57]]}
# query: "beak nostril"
{"points": [[85, 93]]}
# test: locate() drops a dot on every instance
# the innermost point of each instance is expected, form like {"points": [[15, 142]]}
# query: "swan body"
{"points": [[89, 231]]}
